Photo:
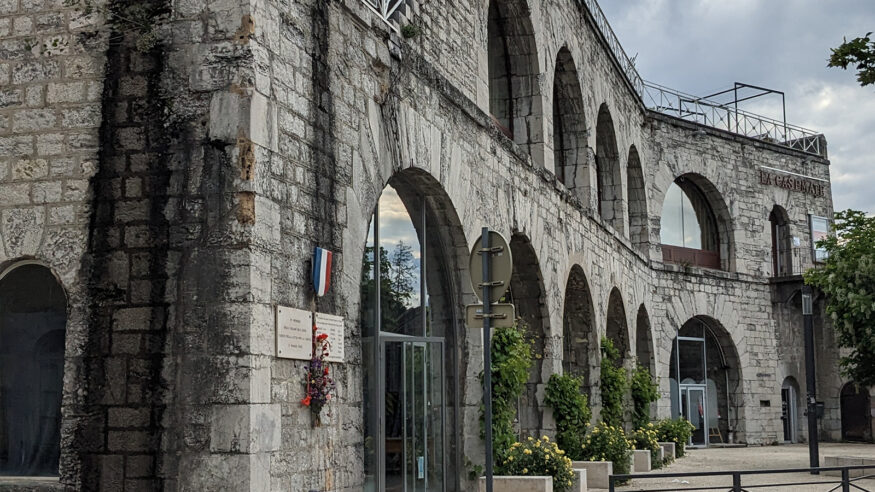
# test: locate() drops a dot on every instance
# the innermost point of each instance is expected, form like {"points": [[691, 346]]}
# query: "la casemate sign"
{"points": [[793, 183]]}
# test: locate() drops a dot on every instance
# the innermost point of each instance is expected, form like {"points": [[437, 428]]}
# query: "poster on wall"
{"points": [[333, 327], [820, 229]]}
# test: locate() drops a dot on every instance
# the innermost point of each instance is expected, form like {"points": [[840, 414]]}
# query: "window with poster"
{"points": [[820, 229]]}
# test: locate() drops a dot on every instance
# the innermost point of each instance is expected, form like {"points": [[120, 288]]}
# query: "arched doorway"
{"points": [[790, 409], [579, 336], [617, 327], [569, 127], [856, 413], [410, 322], [782, 252], [33, 311], [514, 89], [609, 182], [644, 341], [527, 294], [705, 380]]}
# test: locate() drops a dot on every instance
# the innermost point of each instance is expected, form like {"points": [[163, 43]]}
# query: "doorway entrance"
{"points": [[856, 420], [789, 410], [693, 408]]}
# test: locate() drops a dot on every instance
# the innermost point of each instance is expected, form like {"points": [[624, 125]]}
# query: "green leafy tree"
{"points": [[511, 361], [571, 412], [860, 52], [402, 271], [847, 277], [644, 392], [613, 384]]}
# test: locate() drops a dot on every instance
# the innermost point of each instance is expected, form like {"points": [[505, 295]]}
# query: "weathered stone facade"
{"points": [[177, 191]]}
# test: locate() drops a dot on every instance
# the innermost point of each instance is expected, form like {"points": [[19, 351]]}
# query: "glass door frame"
{"points": [[685, 390], [385, 339]]}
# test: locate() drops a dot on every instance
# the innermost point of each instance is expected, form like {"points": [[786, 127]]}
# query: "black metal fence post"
{"points": [[846, 482], [611, 483], [736, 482]]}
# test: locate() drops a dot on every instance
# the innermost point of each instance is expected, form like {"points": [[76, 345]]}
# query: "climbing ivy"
{"points": [[644, 392], [571, 412], [613, 384]]}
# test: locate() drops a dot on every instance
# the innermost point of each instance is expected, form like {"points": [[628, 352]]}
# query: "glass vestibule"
{"points": [[699, 383], [403, 353]]}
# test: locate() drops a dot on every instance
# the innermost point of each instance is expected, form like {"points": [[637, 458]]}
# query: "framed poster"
{"points": [[820, 229]]}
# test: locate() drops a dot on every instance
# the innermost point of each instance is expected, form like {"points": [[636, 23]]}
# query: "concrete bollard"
{"points": [[597, 472], [669, 449], [641, 460]]}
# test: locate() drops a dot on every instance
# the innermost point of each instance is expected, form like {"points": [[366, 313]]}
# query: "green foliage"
{"points": [[609, 443], [511, 361], [644, 392], [571, 412], [677, 430], [860, 52], [409, 31], [613, 384], [646, 437], [397, 285], [537, 458], [848, 279]]}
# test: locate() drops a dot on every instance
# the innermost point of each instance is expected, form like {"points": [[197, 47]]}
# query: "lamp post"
{"points": [[810, 381]]}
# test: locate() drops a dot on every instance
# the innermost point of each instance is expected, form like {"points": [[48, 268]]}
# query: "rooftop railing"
{"points": [[627, 66], [727, 117]]}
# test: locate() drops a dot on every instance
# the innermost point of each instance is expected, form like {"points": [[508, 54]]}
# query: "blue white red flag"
{"points": [[321, 270]]}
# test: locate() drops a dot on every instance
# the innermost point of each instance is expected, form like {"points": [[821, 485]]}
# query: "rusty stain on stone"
{"points": [[246, 30], [246, 158], [246, 207]]}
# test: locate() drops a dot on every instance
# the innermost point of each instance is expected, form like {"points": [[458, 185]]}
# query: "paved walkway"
{"points": [[756, 458]]}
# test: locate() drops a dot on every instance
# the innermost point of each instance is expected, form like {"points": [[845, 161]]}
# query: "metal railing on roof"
{"points": [[384, 9], [627, 66], [731, 119]]}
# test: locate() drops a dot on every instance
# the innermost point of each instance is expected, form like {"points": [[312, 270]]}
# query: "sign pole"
{"points": [[487, 354], [810, 380]]}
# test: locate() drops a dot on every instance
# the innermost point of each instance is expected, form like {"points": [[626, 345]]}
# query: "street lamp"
{"points": [[808, 322]]}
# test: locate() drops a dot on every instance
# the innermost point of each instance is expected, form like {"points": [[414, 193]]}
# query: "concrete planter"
{"points": [[641, 460], [597, 472], [829, 461], [579, 484], [519, 484], [668, 449]]}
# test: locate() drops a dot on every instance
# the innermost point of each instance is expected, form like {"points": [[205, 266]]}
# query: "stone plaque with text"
{"points": [[333, 327], [294, 333]]}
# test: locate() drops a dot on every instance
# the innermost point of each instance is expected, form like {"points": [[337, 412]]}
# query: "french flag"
{"points": [[321, 270]]}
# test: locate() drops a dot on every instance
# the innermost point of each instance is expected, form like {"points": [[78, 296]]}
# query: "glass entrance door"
{"points": [[412, 416], [694, 409]]}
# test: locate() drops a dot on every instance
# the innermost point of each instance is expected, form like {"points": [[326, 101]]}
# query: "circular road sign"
{"points": [[500, 268]]}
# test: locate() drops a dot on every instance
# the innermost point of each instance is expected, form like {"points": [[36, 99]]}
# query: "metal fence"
{"points": [[848, 478], [626, 63], [727, 117], [384, 9]]}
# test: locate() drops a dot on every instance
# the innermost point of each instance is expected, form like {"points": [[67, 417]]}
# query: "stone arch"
{"points": [[514, 86], [719, 370], [695, 224], [782, 248], [639, 232], [527, 293], [33, 319], [644, 340], [855, 412], [608, 179], [569, 126], [580, 352], [617, 329], [443, 264]]}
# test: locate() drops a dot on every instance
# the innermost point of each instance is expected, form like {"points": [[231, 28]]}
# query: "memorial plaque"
{"points": [[294, 333], [333, 327]]}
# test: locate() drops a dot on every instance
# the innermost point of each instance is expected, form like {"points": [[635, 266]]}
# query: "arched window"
{"points": [[689, 230], [608, 179], [33, 317], [514, 89], [782, 247], [617, 327], [569, 127], [579, 336]]}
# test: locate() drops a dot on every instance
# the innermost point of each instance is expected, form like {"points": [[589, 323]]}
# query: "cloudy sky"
{"points": [[703, 46]]}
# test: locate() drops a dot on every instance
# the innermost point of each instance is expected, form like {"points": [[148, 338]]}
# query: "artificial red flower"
{"points": [[322, 337], [325, 371], [306, 401]]}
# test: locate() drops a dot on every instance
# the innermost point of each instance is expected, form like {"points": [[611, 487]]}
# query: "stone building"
{"points": [[167, 168]]}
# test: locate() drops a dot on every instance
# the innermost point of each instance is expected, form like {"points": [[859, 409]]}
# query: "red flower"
{"points": [[322, 337], [325, 371], [306, 401]]}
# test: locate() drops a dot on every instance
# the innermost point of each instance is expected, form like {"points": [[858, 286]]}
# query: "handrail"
{"points": [[627, 66]]}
